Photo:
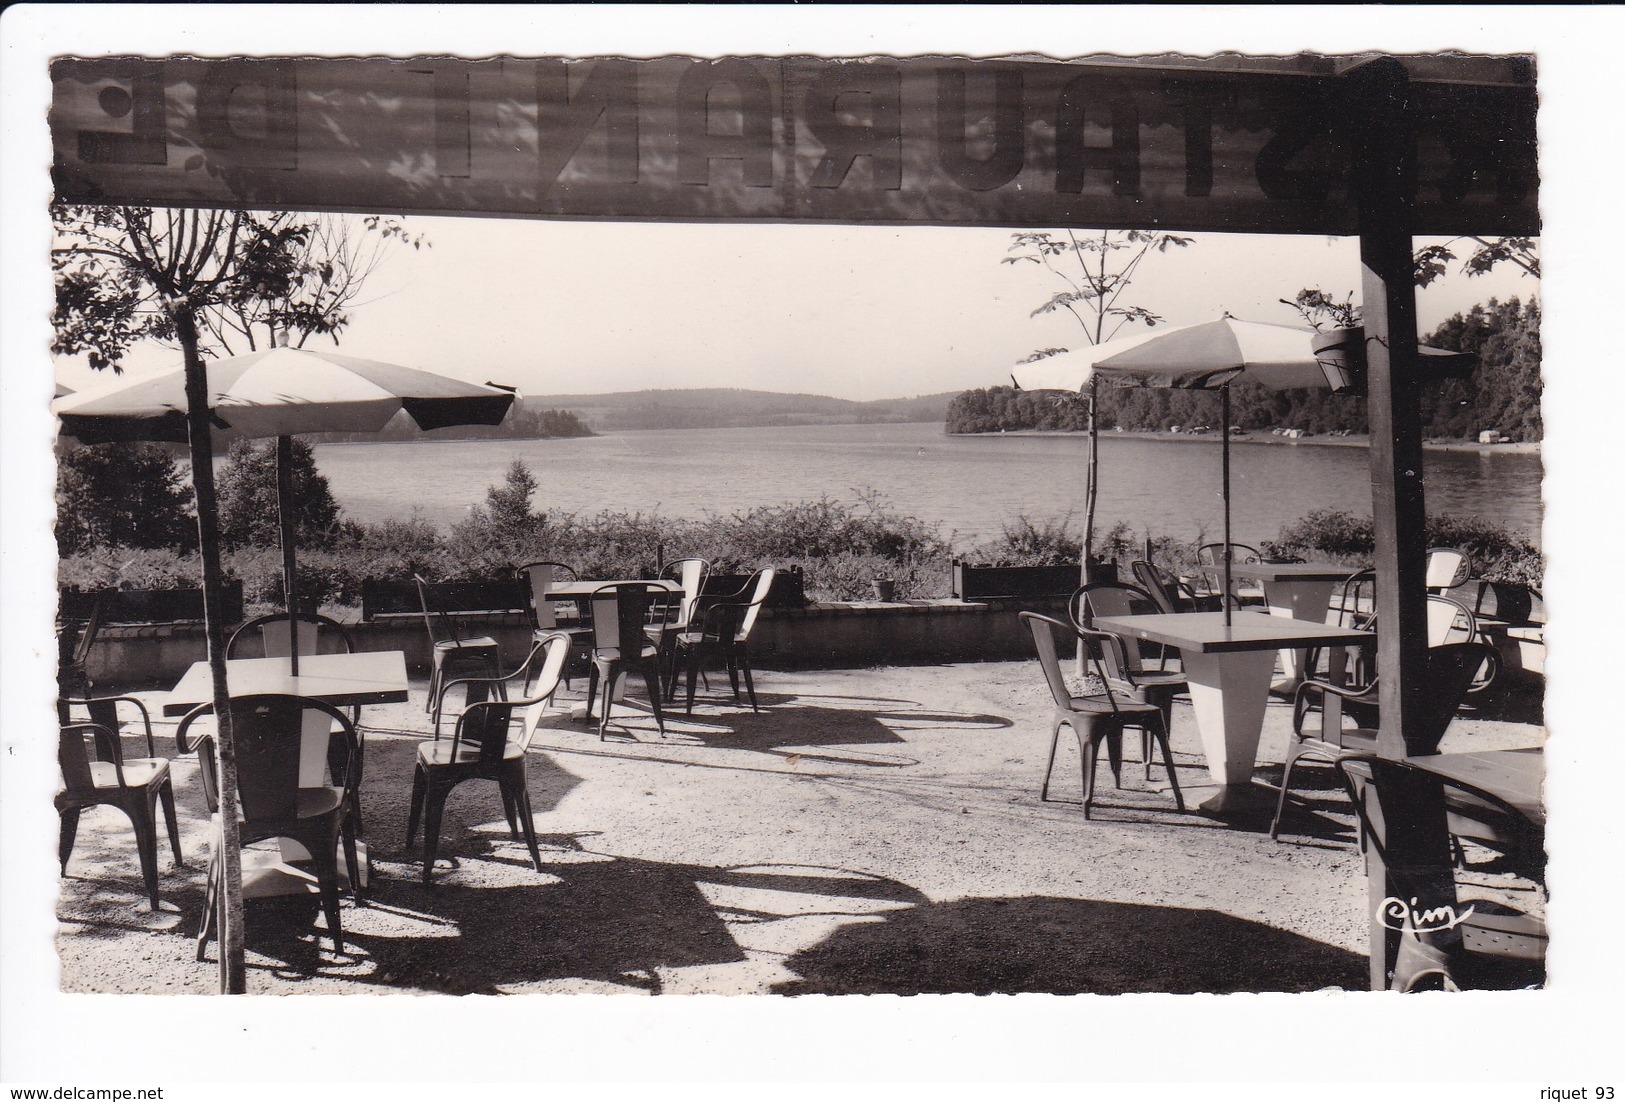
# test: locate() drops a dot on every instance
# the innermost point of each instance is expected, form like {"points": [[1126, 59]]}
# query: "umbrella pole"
{"points": [[1224, 402], [285, 513], [1091, 492]]}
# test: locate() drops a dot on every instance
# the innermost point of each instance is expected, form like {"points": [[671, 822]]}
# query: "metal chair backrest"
{"points": [[1356, 605], [1450, 621], [542, 577], [74, 756], [622, 611], [1164, 591], [485, 720], [104, 712], [316, 634], [1447, 568], [269, 732], [76, 636], [442, 628], [758, 597], [1212, 554], [1210, 561], [1110, 599], [1098, 645], [691, 574]]}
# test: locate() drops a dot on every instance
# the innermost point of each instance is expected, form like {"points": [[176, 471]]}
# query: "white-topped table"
{"points": [[1298, 591], [365, 677], [1228, 669]]}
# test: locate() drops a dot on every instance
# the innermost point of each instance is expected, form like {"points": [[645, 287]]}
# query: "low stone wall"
{"points": [[833, 635]]}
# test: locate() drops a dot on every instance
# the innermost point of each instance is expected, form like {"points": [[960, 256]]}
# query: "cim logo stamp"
{"points": [[1396, 914]]}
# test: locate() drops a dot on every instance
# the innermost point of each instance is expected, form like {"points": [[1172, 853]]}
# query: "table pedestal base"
{"points": [[1229, 691], [1247, 805], [1297, 599]]}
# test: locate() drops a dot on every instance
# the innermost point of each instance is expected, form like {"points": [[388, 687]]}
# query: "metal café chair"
{"points": [[723, 632], [1158, 686], [1098, 717], [96, 772], [269, 731], [481, 748], [1450, 671], [623, 616], [449, 649]]}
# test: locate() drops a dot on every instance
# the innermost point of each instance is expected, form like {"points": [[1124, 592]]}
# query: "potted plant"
{"points": [[884, 589], [1341, 355]]}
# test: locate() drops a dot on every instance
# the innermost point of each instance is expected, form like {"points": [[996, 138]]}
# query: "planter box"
{"points": [[388, 597], [788, 589], [978, 583], [153, 606]]}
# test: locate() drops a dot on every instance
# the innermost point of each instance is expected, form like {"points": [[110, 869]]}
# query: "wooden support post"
{"points": [[1384, 151]]}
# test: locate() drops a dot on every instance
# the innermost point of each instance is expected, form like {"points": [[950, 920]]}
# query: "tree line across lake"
{"points": [[1503, 393]]}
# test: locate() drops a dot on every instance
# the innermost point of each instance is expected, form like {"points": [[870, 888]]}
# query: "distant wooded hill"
{"points": [[720, 407], [537, 416]]}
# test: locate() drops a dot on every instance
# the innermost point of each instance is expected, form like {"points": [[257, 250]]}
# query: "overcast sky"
{"points": [[851, 311]]}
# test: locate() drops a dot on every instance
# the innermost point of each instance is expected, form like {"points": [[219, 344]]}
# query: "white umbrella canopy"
{"points": [[1207, 356], [280, 393]]}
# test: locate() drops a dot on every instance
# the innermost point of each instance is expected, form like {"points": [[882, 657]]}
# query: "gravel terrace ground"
{"points": [[874, 830]]}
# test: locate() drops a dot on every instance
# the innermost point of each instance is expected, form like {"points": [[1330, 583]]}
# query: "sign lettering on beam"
{"points": [[946, 141]]}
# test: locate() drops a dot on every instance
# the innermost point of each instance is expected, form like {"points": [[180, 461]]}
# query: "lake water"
{"points": [[971, 485]]}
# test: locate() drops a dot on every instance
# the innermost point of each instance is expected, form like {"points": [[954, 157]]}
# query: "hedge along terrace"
{"points": [[841, 546]]}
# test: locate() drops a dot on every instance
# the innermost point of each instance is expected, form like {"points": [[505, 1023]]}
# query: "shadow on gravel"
{"points": [[801, 721], [1318, 812], [1065, 947], [592, 917]]}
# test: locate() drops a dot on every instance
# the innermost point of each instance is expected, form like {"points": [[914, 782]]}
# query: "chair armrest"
{"points": [[115, 701], [184, 743], [1302, 703], [715, 614], [499, 692], [1347, 692]]}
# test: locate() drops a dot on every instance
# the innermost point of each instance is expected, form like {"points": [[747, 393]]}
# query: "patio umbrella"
{"points": [[280, 393], [1207, 356]]}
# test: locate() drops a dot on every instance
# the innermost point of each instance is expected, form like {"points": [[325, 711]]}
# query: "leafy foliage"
{"points": [[1504, 391], [1094, 276], [1433, 261], [1318, 308], [123, 495], [249, 512], [1498, 555]]}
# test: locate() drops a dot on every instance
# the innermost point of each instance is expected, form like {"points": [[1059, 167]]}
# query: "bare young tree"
{"points": [[325, 271], [1096, 272], [125, 274]]}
